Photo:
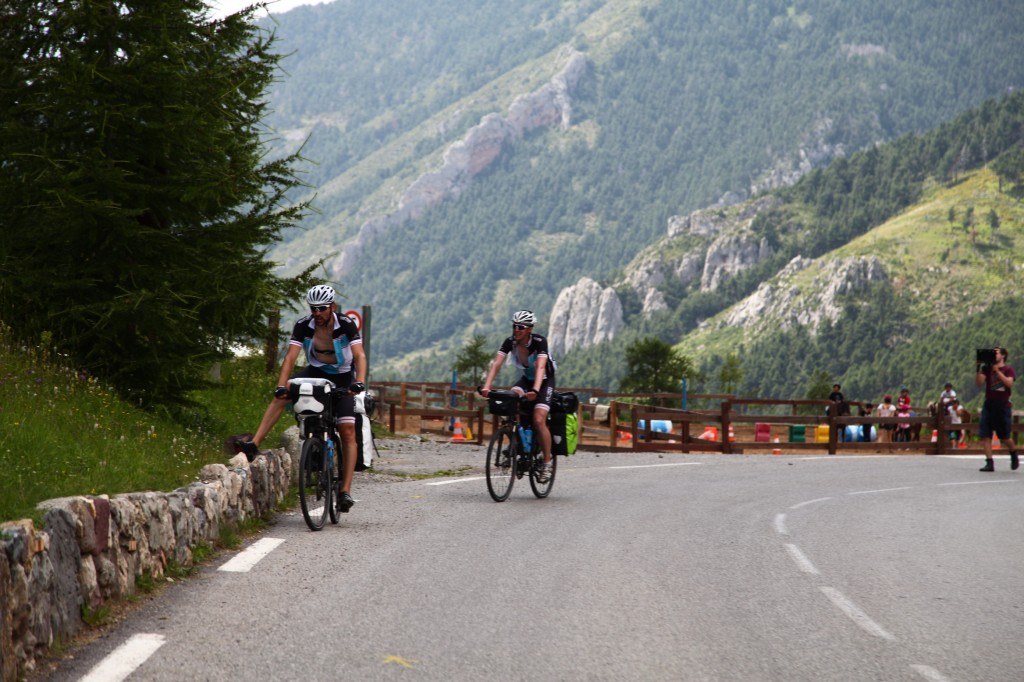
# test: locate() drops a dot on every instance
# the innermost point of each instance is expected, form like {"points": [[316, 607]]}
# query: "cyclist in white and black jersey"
{"points": [[529, 354], [334, 351]]}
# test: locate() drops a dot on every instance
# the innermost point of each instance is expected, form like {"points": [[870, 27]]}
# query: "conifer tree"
{"points": [[136, 196]]}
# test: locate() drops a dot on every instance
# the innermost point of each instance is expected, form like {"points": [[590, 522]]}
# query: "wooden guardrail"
{"points": [[754, 423], [819, 431]]}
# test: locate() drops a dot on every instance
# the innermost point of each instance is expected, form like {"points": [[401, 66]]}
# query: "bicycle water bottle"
{"points": [[526, 436]]}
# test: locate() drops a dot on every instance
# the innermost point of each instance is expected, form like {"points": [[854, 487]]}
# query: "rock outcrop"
{"points": [[782, 305], [549, 105], [584, 315]]}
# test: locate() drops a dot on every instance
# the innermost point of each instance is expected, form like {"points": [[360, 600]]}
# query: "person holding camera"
{"points": [[997, 377]]}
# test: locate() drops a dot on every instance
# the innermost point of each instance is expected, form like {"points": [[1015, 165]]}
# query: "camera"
{"points": [[986, 356]]}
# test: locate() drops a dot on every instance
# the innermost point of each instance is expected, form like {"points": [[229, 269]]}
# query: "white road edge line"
{"points": [[246, 559], [651, 466], [881, 490], [456, 480], [1005, 480], [855, 614], [929, 673], [780, 524], [801, 560], [125, 659], [804, 504]]}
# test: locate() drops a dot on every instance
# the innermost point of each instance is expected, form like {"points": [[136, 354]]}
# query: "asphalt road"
{"points": [[637, 567]]}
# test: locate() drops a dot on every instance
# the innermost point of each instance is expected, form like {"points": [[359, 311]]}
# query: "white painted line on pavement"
{"points": [[929, 673], [804, 504], [802, 562], [652, 466], [881, 490], [456, 480], [125, 659], [1003, 480], [246, 559], [855, 614], [780, 524], [812, 457]]}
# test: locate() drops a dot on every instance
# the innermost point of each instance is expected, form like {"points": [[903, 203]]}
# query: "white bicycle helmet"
{"points": [[321, 294], [524, 317]]}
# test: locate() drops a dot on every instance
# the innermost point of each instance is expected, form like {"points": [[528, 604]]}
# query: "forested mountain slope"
{"points": [[683, 104]]}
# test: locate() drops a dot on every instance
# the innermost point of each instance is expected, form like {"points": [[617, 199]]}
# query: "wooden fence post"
{"points": [[613, 421], [726, 445]]}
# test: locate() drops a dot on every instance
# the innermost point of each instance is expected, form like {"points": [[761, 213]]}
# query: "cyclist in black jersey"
{"points": [[529, 354], [334, 351]]}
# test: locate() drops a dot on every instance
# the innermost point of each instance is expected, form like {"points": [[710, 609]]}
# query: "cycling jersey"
{"points": [[536, 347], [344, 336]]}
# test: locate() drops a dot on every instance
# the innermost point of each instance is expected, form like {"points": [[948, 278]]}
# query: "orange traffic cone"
{"points": [[776, 450], [935, 436], [732, 436], [457, 436], [995, 442]]}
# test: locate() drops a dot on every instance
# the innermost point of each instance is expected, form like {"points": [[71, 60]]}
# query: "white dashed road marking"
{"points": [[855, 614], [125, 659], [802, 562], [882, 490], [456, 480], [245, 560], [929, 673]]}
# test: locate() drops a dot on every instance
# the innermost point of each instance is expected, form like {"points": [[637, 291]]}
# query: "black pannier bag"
{"points": [[556, 425], [565, 403], [502, 403]]}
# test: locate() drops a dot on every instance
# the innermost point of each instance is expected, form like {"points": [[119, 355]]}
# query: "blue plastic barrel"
{"points": [[657, 425]]}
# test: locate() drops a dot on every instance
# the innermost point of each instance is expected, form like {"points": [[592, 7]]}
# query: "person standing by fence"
{"points": [[886, 409], [997, 410]]}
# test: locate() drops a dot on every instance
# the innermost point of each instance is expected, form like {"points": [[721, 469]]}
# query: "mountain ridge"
{"points": [[684, 106]]}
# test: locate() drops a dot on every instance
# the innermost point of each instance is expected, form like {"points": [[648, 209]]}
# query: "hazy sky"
{"points": [[225, 7]]}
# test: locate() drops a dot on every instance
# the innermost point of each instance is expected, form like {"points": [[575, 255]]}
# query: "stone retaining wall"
{"points": [[91, 550]]}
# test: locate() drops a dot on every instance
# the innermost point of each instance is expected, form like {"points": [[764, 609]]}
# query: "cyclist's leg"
{"points": [[345, 411], [541, 408], [270, 417]]}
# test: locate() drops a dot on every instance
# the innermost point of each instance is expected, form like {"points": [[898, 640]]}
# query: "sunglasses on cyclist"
{"points": [[318, 308], [521, 327]]}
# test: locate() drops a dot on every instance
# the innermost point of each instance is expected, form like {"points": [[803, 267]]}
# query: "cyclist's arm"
{"points": [[290, 358], [539, 372], [499, 359], [359, 362]]}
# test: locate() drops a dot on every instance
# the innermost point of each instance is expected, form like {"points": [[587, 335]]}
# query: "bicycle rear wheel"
{"points": [[542, 489], [501, 463], [314, 483]]}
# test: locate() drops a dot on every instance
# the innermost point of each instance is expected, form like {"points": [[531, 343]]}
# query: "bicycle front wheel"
{"points": [[501, 463], [314, 483], [335, 480], [541, 489]]}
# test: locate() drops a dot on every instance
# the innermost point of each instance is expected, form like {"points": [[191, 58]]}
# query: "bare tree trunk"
{"points": [[270, 349]]}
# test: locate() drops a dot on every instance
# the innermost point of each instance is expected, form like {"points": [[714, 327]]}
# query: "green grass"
{"points": [[65, 433]]}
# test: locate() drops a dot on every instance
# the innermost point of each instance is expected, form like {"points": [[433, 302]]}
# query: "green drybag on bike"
{"points": [[564, 430], [571, 433]]}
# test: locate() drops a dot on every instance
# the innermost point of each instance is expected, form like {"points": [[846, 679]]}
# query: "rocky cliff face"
{"points": [[782, 305], [719, 245], [584, 314], [549, 105]]}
